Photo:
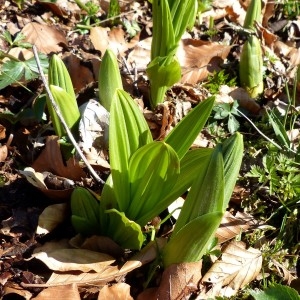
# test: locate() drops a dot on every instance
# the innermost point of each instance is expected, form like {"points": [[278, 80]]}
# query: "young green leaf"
{"points": [[163, 39], [123, 231], [13, 71], [59, 76], [183, 14], [128, 131], [251, 67], [191, 241], [275, 292], [190, 166], [185, 132], [68, 107], [163, 72], [207, 191], [109, 79], [233, 150], [153, 181], [85, 208], [253, 14]]}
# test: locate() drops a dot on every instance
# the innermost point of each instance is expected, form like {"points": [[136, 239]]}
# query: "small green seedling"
{"points": [[228, 111]]}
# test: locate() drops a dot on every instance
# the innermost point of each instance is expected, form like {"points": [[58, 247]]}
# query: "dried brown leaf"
{"points": [[66, 292], [104, 38], [3, 153], [80, 74], [51, 217], [14, 291], [199, 58], [83, 260], [283, 272], [119, 291], [140, 55], [179, 281], [107, 274], [51, 160], [46, 38], [2, 132], [230, 227], [237, 267]]}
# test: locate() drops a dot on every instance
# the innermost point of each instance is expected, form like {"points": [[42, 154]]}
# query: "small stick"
{"points": [[63, 122]]}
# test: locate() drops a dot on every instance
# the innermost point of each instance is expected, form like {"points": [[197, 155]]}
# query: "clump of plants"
{"points": [[147, 176]]}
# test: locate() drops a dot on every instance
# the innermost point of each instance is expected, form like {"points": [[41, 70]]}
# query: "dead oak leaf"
{"points": [[65, 260], [51, 160], [199, 58], [237, 267], [46, 38], [230, 227], [66, 292], [117, 291], [105, 38]]}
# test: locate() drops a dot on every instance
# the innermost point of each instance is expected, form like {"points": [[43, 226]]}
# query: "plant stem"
{"points": [[57, 110]]}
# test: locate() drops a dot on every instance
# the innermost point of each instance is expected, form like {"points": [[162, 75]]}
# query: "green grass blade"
{"points": [[190, 243], [279, 129], [185, 132], [84, 208], [183, 14], [128, 131], [253, 14]]}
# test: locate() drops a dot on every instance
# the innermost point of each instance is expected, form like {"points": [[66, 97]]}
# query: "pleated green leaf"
{"points": [[185, 132], [190, 167], [190, 243], [162, 72], [85, 207], [123, 231], [128, 131], [153, 172], [207, 191], [109, 79], [233, 150], [58, 75], [251, 67], [68, 108], [183, 14], [163, 39], [253, 14]]}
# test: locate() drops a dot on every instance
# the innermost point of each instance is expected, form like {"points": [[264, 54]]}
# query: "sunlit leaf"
{"points": [[128, 131], [152, 182], [124, 231], [190, 242], [186, 131]]}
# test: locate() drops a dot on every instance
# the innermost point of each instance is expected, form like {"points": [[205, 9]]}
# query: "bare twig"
{"points": [[63, 122]]}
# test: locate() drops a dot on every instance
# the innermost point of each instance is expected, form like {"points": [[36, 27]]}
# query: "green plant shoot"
{"points": [[109, 79], [170, 20], [63, 92]]}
